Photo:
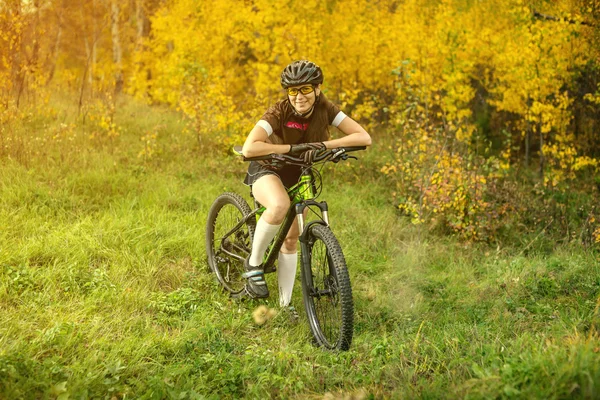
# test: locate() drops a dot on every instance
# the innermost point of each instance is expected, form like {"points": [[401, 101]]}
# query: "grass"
{"points": [[104, 290]]}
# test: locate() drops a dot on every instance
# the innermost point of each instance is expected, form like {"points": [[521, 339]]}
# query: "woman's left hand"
{"points": [[298, 149]]}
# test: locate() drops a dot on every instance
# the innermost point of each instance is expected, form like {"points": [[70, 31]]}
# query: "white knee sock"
{"points": [[263, 235], [286, 275]]}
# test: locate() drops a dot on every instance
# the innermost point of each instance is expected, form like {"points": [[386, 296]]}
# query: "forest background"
{"points": [[482, 195]]}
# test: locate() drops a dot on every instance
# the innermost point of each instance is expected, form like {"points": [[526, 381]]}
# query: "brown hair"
{"points": [[318, 129]]}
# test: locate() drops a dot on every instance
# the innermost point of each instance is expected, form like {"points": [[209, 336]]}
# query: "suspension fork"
{"points": [[322, 205]]}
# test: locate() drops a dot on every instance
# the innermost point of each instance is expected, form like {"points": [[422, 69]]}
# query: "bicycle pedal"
{"points": [[241, 295]]}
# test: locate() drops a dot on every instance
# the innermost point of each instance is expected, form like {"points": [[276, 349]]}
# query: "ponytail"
{"points": [[318, 129]]}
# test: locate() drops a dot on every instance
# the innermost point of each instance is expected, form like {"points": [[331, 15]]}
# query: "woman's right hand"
{"points": [[306, 151]]}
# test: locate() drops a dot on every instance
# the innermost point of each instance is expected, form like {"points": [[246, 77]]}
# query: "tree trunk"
{"points": [[33, 67], [36, 37], [542, 160], [87, 58], [18, 70], [116, 46], [142, 32], [95, 36], [527, 144], [52, 67], [142, 24]]}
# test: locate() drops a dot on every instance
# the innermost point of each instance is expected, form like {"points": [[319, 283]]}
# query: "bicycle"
{"points": [[326, 288]]}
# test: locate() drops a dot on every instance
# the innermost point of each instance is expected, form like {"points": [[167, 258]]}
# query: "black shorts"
{"points": [[288, 174]]}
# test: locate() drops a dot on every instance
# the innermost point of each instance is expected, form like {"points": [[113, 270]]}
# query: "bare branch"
{"points": [[539, 15]]}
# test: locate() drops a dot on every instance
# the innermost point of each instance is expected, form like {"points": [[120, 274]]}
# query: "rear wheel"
{"points": [[326, 289], [226, 247]]}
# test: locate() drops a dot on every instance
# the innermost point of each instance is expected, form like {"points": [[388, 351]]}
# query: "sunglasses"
{"points": [[304, 90]]}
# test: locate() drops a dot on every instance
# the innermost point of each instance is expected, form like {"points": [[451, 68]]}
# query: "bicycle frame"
{"points": [[301, 196]]}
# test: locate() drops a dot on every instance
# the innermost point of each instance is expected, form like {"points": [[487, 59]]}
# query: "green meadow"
{"points": [[105, 291]]}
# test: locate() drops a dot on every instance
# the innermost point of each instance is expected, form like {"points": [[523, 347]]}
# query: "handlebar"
{"points": [[335, 155]]}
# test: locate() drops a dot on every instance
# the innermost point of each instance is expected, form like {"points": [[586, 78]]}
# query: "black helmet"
{"points": [[301, 71]]}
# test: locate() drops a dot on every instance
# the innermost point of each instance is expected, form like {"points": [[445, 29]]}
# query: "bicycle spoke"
{"points": [[325, 294], [328, 295], [229, 240]]}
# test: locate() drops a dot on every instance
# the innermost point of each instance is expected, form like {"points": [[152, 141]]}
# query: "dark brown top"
{"points": [[280, 120]]}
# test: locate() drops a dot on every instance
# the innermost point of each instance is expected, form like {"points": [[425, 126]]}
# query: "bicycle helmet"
{"points": [[301, 71]]}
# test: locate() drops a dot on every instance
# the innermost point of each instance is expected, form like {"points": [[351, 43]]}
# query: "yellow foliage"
{"points": [[420, 69], [436, 184], [150, 145], [219, 62], [102, 113]]}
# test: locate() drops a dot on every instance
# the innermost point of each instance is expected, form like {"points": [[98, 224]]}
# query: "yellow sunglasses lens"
{"points": [[303, 90]]}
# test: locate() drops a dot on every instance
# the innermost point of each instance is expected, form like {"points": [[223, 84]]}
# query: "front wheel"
{"points": [[229, 235], [326, 289]]}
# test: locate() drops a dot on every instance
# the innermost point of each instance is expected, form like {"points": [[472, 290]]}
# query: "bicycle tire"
{"points": [[226, 257], [326, 289]]}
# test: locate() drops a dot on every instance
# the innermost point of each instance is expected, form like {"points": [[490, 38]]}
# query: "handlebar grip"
{"points": [[353, 148]]}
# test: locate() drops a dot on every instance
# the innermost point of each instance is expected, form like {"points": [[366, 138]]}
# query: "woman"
{"points": [[297, 125]]}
